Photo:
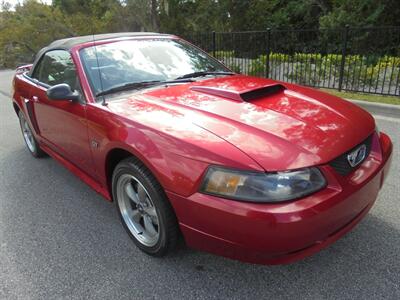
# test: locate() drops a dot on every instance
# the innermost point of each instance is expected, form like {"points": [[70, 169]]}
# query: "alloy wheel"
{"points": [[28, 135], [138, 210]]}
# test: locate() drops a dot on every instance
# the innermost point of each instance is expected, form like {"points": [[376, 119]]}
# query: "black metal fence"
{"points": [[351, 59]]}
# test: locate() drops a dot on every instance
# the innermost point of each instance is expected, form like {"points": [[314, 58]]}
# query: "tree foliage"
{"points": [[31, 25]]}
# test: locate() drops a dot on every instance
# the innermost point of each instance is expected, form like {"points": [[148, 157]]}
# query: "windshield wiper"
{"points": [[204, 73], [138, 85], [144, 84]]}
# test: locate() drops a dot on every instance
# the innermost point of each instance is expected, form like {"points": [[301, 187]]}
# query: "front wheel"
{"points": [[29, 138], [144, 208]]}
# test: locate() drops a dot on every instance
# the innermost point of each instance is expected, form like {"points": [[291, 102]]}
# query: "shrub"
{"points": [[312, 68], [223, 54]]}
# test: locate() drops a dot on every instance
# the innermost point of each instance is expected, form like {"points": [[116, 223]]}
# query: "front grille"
{"points": [[341, 164]]}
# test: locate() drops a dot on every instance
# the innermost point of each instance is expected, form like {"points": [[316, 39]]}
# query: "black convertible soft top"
{"points": [[68, 43]]}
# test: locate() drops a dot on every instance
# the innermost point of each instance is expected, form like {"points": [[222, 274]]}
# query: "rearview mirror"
{"points": [[62, 92]]}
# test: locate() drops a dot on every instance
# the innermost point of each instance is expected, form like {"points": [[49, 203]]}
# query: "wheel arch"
{"points": [[115, 156]]}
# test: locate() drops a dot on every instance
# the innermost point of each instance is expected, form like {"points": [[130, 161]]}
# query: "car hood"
{"points": [[279, 125]]}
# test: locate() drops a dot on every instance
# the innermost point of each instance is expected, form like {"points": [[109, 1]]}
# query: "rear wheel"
{"points": [[144, 208], [29, 138]]}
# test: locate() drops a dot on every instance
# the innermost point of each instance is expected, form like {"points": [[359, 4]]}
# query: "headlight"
{"points": [[262, 187]]}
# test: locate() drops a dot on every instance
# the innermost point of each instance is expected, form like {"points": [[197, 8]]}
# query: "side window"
{"points": [[57, 67]]}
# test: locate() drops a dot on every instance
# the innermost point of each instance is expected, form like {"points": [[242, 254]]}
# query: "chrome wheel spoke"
{"points": [[131, 193], [136, 215], [151, 212], [149, 226], [141, 193]]}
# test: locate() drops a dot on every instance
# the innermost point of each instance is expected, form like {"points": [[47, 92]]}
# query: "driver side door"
{"points": [[62, 123]]}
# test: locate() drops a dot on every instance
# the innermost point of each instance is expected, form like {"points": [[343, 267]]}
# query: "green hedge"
{"points": [[312, 68]]}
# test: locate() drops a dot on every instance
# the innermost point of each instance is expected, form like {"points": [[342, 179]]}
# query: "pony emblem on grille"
{"points": [[357, 156]]}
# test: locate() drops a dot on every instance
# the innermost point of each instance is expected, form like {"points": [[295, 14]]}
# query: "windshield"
{"points": [[134, 61]]}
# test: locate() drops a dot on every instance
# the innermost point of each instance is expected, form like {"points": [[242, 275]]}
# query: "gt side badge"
{"points": [[95, 144]]}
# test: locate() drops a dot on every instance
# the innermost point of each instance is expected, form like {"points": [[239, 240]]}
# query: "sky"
{"points": [[13, 2]]}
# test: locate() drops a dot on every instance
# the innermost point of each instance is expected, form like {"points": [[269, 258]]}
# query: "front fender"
{"points": [[176, 151]]}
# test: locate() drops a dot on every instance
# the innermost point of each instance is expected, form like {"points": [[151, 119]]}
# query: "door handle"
{"points": [[35, 99]]}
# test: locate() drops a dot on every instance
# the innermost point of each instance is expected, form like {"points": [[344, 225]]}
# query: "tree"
{"points": [[27, 29], [362, 13], [33, 25]]}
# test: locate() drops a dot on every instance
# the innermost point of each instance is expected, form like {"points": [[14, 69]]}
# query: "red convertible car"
{"points": [[244, 167]]}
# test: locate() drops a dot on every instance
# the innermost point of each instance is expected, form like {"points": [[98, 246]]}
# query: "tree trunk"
{"points": [[155, 22]]}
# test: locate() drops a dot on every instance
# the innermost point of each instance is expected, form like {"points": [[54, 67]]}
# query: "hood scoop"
{"points": [[241, 96]]}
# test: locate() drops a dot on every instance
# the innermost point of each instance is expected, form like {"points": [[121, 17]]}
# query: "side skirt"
{"points": [[78, 172]]}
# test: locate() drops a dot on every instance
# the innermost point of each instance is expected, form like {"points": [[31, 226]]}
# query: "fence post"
{"points": [[344, 52], [214, 43], [268, 52]]}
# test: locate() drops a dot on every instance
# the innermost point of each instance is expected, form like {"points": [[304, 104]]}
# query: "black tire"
{"points": [[32, 145], [167, 224]]}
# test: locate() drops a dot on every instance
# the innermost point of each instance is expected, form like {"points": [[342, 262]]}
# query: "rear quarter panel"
{"points": [[22, 89]]}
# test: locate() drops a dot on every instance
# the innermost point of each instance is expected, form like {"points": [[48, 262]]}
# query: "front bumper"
{"points": [[285, 232]]}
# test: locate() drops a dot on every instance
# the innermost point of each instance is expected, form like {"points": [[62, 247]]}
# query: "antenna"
{"points": [[103, 101]]}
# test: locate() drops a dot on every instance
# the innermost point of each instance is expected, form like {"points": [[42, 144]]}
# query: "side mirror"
{"points": [[62, 92]]}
